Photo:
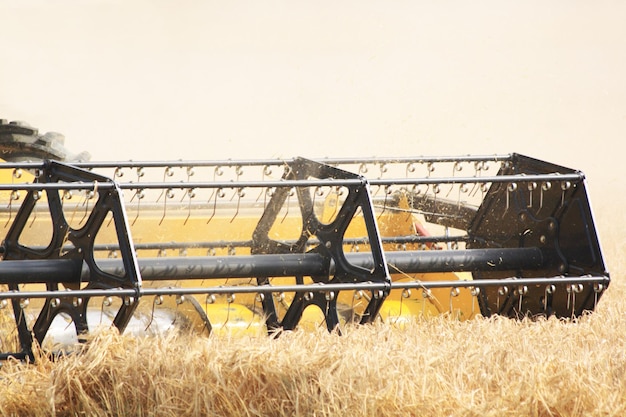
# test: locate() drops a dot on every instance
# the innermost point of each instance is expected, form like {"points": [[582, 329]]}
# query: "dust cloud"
{"points": [[212, 80]]}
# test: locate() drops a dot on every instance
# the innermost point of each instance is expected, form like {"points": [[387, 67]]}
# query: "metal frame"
{"points": [[70, 247], [531, 244]]}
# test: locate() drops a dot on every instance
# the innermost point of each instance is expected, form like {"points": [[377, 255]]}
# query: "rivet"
{"points": [[551, 225]]}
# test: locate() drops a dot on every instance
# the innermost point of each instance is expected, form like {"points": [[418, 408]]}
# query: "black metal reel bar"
{"points": [[68, 271], [277, 265]]}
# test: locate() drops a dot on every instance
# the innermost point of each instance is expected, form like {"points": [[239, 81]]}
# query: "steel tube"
{"points": [[33, 271], [282, 162], [242, 266], [90, 185], [268, 289], [468, 260], [272, 265], [312, 264]]}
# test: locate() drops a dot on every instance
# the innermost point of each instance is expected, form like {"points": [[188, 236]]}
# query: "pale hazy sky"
{"points": [[241, 79]]}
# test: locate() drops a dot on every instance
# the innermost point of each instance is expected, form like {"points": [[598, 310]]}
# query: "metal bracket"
{"points": [[329, 243], [74, 245]]}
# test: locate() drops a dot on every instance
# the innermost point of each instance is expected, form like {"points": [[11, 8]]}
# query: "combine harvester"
{"points": [[253, 246]]}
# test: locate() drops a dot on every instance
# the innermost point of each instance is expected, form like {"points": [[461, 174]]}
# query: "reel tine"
{"points": [[89, 195], [383, 169], [168, 172], [139, 193], [266, 172], [565, 186], [217, 193], [119, 172], [158, 300], [169, 194], [510, 188], [387, 193], [474, 292], [522, 290], [546, 186], [36, 197], [240, 194], [15, 195], [457, 167], [454, 292], [288, 204], [218, 171], [190, 194], [532, 186]]}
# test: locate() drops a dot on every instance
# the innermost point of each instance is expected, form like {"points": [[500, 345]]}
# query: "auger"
{"points": [[260, 245]]}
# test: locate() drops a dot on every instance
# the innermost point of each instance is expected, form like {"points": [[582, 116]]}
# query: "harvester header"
{"points": [[260, 245]]}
